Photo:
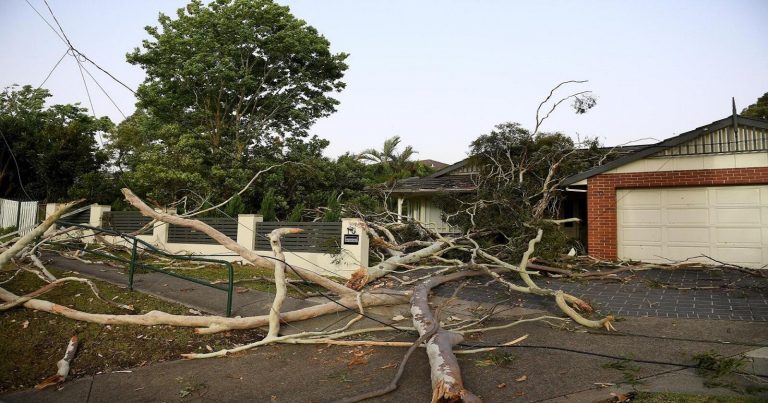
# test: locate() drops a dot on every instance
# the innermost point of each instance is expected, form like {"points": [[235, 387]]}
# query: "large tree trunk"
{"points": [[447, 385]]}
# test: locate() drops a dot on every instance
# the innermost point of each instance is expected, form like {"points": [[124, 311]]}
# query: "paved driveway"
{"points": [[682, 293]]}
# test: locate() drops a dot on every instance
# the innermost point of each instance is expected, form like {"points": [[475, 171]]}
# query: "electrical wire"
{"points": [[85, 84], [46, 22], [571, 350], [104, 92], [54, 68], [79, 53], [626, 334], [531, 346]]}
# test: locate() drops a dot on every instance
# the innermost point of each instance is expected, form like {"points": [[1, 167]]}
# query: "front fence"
{"points": [[318, 237], [125, 221], [148, 250], [78, 216], [22, 215], [335, 248], [225, 225]]}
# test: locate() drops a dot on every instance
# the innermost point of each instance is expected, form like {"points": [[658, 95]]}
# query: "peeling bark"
{"points": [[447, 385], [62, 365], [207, 324]]}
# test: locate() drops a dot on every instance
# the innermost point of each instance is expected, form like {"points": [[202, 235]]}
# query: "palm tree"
{"points": [[393, 164]]}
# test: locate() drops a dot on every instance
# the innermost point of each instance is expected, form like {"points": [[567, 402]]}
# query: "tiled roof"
{"points": [[449, 183]]}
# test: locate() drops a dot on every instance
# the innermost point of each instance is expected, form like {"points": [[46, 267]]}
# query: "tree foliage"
{"points": [[247, 73], [758, 110], [54, 148], [231, 87], [268, 211], [517, 183], [389, 163]]}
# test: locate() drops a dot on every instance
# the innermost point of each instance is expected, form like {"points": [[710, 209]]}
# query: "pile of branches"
{"points": [[395, 255]]}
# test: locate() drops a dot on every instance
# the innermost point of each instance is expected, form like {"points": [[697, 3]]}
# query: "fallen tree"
{"points": [[439, 258], [439, 342]]}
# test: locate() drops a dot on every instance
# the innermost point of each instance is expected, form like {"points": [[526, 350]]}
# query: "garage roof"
{"points": [[670, 142]]}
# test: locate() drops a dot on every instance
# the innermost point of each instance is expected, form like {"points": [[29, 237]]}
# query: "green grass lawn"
{"points": [[247, 276], [32, 341]]}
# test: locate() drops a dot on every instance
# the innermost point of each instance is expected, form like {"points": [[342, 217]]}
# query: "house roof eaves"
{"points": [[432, 191], [663, 145], [449, 168]]}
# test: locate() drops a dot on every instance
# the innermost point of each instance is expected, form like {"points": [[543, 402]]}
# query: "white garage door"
{"points": [[728, 223]]}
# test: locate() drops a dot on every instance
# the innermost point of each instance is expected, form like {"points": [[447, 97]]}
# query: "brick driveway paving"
{"points": [[681, 293]]}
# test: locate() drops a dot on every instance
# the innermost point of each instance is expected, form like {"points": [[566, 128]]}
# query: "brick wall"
{"points": [[601, 196]]}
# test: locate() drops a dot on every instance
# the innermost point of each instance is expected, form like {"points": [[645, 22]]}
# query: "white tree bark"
{"points": [[228, 243], [447, 385], [280, 282], [207, 324], [62, 365], [17, 247]]}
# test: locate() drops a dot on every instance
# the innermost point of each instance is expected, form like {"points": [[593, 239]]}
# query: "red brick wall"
{"points": [[601, 196]]}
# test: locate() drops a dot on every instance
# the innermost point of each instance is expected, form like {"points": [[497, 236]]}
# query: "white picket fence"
{"points": [[22, 215]]}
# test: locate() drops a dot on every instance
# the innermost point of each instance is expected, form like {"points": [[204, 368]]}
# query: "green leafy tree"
{"points": [[268, 204], [334, 208], [297, 214], [235, 206], [232, 84], [758, 110], [46, 149]]}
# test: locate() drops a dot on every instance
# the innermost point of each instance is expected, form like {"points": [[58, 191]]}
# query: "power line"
{"points": [[80, 53], [87, 92], [105, 92], [54, 68], [74, 50], [46, 22]]}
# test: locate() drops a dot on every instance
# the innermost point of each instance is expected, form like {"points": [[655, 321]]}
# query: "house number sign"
{"points": [[351, 237]]}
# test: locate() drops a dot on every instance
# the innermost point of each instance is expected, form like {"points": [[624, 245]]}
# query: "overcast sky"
{"points": [[440, 73]]}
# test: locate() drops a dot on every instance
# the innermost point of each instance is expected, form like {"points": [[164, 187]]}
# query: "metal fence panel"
{"points": [[318, 237], [78, 216], [125, 221], [225, 225]]}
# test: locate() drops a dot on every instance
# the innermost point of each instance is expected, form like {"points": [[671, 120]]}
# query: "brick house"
{"points": [[703, 192]]}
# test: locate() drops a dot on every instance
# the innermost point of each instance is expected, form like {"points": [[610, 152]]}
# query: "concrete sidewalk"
{"points": [[318, 373], [213, 301], [304, 373], [200, 297]]}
